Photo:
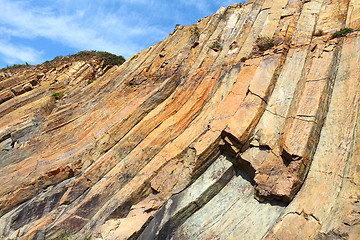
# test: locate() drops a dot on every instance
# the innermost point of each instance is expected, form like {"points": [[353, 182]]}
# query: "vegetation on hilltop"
{"points": [[108, 58], [15, 67]]}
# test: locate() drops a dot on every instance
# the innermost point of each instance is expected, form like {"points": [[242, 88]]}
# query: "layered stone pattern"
{"points": [[201, 136]]}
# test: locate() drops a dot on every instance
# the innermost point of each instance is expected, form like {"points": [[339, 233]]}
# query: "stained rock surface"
{"points": [[241, 126]]}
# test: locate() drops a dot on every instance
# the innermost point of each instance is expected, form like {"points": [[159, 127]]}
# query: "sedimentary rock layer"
{"points": [[241, 126]]}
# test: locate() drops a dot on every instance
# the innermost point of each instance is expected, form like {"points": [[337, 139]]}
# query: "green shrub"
{"points": [[91, 80], [243, 59], [15, 66], [109, 58], [216, 46], [57, 95], [264, 43], [195, 34], [48, 64], [342, 33]]}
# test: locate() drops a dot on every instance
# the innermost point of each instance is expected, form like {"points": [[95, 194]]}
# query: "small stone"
{"points": [[28, 87]]}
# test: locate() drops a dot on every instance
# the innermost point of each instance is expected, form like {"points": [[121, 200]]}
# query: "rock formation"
{"points": [[241, 126]]}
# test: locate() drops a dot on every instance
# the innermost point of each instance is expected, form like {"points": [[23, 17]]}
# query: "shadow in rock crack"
{"points": [[219, 204]]}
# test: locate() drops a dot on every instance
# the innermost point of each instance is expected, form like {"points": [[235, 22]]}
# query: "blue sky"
{"points": [[34, 31]]}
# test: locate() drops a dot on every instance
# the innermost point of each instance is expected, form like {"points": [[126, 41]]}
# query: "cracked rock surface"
{"points": [[188, 141]]}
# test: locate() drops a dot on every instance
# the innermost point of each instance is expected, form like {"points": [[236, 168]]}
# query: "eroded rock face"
{"points": [[201, 136]]}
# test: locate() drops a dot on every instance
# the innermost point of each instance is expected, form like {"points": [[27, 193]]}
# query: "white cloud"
{"points": [[119, 26], [15, 54], [83, 28]]}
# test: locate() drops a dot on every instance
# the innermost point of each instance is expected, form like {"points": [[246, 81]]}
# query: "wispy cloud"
{"points": [[15, 54], [86, 28], [119, 26], [74, 29]]}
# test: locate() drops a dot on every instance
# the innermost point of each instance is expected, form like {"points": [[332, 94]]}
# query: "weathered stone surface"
{"points": [[181, 206], [234, 213], [188, 141], [327, 201], [28, 87], [6, 95]]}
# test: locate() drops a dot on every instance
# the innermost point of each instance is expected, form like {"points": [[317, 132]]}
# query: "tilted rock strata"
{"points": [[176, 142]]}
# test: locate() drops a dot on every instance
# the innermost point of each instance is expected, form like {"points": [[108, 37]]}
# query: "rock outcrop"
{"points": [[242, 126]]}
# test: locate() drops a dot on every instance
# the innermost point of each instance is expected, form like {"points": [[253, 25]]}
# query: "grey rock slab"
{"points": [[232, 214], [181, 206]]}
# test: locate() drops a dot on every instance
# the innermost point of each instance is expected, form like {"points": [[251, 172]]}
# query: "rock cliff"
{"points": [[241, 126]]}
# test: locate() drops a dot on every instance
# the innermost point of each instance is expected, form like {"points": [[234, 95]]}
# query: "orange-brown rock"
{"points": [[201, 136]]}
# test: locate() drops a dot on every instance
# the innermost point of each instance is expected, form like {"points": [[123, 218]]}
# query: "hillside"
{"points": [[241, 126]]}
